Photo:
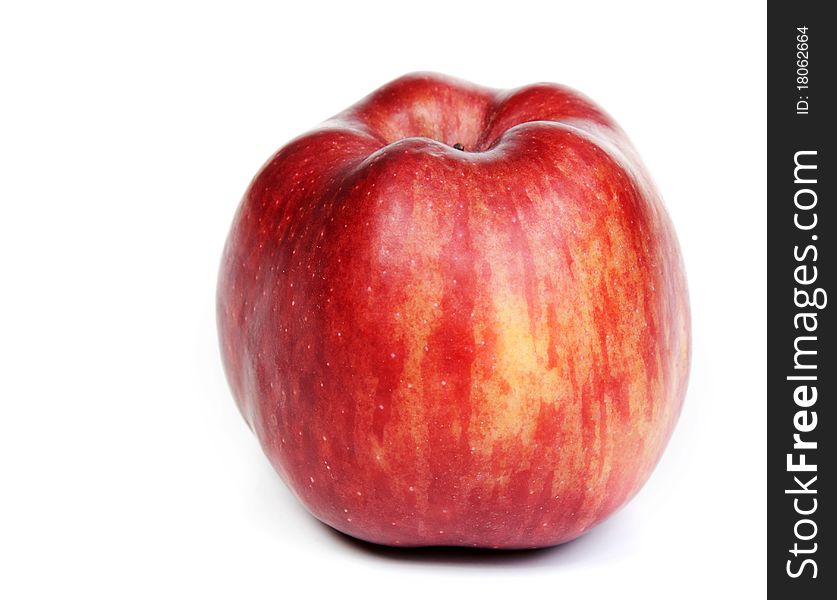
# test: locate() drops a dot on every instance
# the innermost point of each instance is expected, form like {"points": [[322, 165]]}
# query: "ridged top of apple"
{"points": [[454, 112], [435, 114]]}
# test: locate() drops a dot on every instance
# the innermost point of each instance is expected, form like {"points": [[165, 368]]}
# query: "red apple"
{"points": [[457, 316]]}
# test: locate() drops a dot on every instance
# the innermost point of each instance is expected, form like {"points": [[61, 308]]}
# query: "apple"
{"points": [[457, 316]]}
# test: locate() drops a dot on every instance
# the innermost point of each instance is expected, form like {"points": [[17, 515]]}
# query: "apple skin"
{"points": [[484, 347]]}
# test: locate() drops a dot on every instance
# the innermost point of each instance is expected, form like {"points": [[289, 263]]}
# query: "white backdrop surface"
{"points": [[127, 136]]}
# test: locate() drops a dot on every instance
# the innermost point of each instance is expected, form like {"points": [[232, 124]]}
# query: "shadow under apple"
{"points": [[606, 542]]}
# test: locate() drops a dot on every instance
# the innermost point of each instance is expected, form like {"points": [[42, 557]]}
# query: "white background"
{"points": [[127, 136]]}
